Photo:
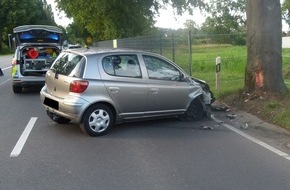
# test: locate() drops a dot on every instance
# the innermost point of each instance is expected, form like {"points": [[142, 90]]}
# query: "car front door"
{"points": [[168, 92]]}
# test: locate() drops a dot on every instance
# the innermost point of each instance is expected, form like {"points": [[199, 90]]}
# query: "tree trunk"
{"points": [[264, 45], [1, 41]]}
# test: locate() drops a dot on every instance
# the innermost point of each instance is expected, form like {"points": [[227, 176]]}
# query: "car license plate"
{"points": [[51, 103]]}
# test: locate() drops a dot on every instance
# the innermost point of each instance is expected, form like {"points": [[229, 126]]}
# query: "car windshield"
{"points": [[70, 65]]}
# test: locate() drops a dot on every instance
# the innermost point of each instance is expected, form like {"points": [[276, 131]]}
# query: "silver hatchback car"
{"points": [[98, 88]]}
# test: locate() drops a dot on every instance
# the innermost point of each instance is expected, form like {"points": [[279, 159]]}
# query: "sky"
{"points": [[166, 18]]}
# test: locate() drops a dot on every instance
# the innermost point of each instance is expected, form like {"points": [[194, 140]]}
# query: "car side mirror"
{"points": [[182, 77]]}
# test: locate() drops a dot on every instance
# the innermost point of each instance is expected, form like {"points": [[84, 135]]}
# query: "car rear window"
{"points": [[70, 64]]}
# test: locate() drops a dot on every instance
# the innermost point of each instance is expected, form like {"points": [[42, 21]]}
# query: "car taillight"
{"points": [[78, 86]]}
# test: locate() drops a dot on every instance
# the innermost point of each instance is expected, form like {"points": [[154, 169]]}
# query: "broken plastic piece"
{"points": [[231, 116], [204, 127], [244, 126]]}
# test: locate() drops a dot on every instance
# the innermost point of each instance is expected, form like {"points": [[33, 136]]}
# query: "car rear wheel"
{"points": [[97, 120], [56, 118], [17, 89], [194, 112]]}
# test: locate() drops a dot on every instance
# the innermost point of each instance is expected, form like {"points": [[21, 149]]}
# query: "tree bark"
{"points": [[1, 40], [264, 46]]}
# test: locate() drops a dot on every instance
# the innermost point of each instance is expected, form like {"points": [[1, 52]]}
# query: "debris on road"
{"points": [[244, 126], [204, 127], [231, 116]]}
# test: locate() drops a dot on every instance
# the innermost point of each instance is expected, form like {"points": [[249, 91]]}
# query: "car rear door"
{"points": [[122, 77]]}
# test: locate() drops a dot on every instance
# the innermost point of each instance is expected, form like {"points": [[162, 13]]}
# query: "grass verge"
{"points": [[269, 107]]}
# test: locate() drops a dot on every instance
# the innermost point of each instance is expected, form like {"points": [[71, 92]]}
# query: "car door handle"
{"points": [[154, 90], [114, 89]]}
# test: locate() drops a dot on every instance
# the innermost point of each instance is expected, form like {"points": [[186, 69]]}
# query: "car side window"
{"points": [[160, 69], [122, 65]]}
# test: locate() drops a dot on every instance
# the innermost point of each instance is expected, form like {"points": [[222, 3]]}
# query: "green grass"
{"points": [[233, 63], [278, 112]]}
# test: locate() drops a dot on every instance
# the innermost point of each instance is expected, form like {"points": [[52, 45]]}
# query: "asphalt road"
{"points": [[36, 153]]}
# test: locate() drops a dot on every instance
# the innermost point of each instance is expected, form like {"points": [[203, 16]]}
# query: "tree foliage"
{"points": [[120, 18], [21, 12], [226, 17], [77, 33], [286, 11]]}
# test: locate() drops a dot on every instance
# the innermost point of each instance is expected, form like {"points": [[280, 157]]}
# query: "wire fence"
{"points": [[196, 54]]}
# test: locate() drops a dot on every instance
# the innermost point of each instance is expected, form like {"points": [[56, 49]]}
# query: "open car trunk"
{"points": [[38, 47], [36, 60]]}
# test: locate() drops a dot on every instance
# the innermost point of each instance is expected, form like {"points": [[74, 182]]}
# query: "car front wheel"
{"points": [[194, 112], [97, 120]]}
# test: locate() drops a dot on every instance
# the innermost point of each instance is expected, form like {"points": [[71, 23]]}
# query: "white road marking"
{"points": [[6, 68], [21, 141], [265, 145], [5, 81]]}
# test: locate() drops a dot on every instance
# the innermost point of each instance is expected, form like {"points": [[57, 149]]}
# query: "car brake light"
{"points": [[78, 86]]}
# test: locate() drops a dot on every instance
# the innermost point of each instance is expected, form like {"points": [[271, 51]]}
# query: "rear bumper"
{"points": [[28, 81], [71, 107]]}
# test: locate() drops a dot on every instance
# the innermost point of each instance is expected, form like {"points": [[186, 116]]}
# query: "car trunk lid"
{"points": [[57, 84], [38, 34]]}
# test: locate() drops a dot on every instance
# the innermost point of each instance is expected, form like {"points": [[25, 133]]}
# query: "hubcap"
{"points": [[99, 120]]}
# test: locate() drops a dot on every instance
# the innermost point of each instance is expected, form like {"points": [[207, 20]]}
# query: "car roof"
{"points": [[94, 50], [24, 28]]}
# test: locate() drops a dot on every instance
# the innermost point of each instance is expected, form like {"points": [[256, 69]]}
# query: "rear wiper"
{"points": [[56, 73]]}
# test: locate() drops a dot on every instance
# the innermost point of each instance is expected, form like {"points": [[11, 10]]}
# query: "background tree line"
{"points": [[103, 20], [21, 12]]}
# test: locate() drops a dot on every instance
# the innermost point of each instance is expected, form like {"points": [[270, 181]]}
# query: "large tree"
{"points": [[264, 39]]}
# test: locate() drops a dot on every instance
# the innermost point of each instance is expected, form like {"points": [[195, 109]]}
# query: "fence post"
{"points": [[190, 53], [173, 48], [160, 44], [115, 43], [218, 69]]}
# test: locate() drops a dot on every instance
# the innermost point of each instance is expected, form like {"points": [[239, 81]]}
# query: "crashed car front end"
{"points": [[204, 95]]}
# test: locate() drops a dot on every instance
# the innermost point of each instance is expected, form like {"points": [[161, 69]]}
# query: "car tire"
{"points": [[97, 120], [56, 118], [17, 89], [194, 112]]}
